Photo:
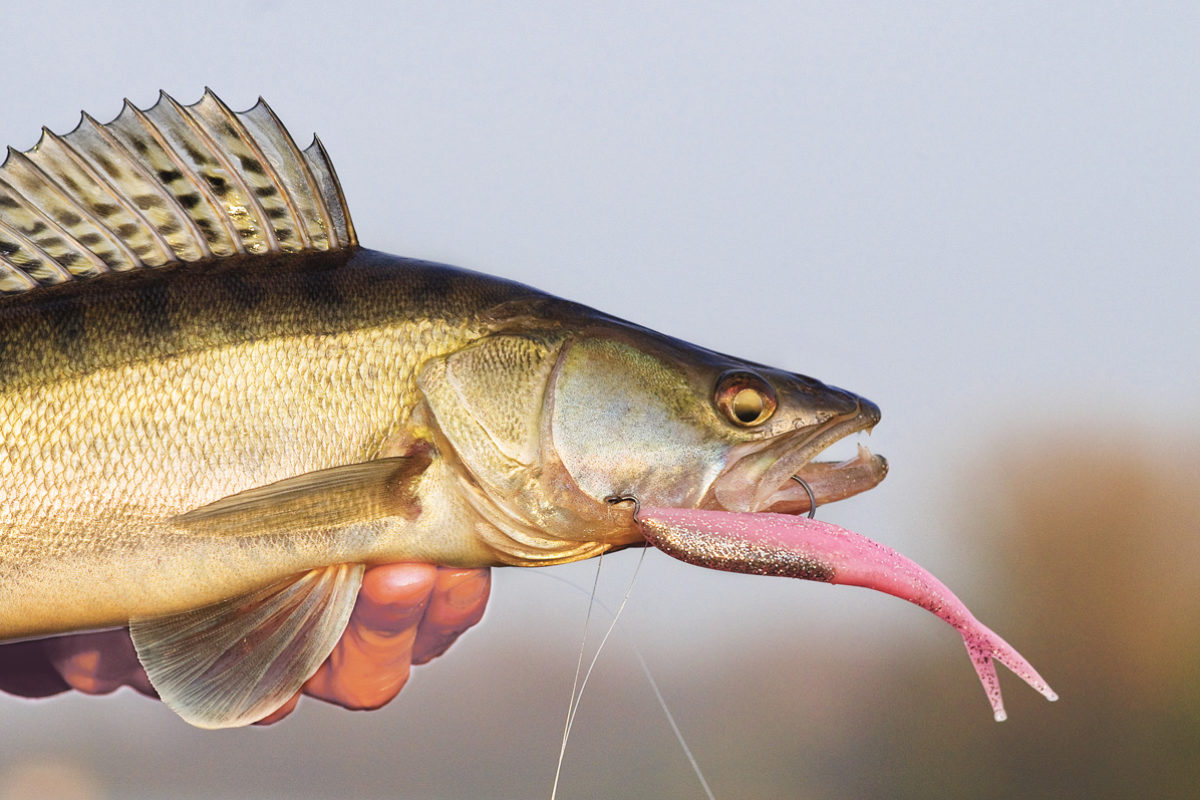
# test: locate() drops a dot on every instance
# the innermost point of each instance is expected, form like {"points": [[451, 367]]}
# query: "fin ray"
{"points": [[170, 183], [133, 184], [259, 177], [299, 184], [331, 189], [98, 200], [234, 662], [28, 264], [338, 497], [48, 246], [191, 141], [75, 222]]}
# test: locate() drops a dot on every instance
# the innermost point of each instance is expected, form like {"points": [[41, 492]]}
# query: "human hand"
{"points": [[405, 614]]}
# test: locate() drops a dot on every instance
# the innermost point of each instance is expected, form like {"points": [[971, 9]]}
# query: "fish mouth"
{"points": [[829, 482], [765, 480]]}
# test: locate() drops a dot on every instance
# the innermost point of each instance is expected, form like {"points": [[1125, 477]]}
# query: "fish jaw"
{"points": [[759, 476], [809, 549], [829, 481]]}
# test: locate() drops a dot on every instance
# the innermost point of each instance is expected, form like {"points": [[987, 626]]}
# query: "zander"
{"points": [[216, 409]]}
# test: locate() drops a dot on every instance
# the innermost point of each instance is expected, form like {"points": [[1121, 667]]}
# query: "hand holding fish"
{"points": [[405, 614]]}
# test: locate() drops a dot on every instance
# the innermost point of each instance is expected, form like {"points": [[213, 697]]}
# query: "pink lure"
{"points": [[782, 544]]}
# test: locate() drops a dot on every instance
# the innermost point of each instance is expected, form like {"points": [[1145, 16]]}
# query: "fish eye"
{"points": [[745, 399]]}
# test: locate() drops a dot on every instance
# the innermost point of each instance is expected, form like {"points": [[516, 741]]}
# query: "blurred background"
{"points": [[984, 218]]}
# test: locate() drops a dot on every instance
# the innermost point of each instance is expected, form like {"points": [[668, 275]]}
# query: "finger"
{"points": [[25, 670], [458, 601], [371, 662], [393, 599], [98, 663]]}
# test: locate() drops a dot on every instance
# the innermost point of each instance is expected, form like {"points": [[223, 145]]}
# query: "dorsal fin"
{"points": [[166, 184]]}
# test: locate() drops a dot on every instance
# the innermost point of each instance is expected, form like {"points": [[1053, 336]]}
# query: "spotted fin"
{"points": [[167, 184], [234, 662]]}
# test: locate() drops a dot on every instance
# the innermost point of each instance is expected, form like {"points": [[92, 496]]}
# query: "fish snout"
{"points": [[868, 413]]}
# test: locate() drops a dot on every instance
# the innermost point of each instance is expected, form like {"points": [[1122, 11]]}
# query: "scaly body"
{"points": [[124, 408]]}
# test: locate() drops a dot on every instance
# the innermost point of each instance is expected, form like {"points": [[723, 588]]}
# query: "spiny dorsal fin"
{"points": [[166, 184]]}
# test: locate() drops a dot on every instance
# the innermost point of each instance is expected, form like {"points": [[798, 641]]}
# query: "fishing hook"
{"points": [[613, 499], [812, 498]]}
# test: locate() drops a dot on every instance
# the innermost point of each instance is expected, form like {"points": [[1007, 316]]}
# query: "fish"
{"points": [[217, 409]]}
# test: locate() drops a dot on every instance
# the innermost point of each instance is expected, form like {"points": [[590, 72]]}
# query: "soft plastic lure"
{"points": [[798, 547]]}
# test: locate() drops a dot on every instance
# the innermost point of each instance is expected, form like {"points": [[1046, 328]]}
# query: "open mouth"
{"points": [[829, 482], [763, 481]]}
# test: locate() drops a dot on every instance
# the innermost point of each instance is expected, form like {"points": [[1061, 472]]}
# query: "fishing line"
{"points": [[578, 668], [687, 751], [658, 695], [607, 633], [576, 699]]}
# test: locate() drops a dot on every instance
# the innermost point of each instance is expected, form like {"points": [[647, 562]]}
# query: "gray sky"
{"points": [[982, 218]]}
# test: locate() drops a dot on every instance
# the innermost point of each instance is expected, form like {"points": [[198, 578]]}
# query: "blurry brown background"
{"points": [[983, 218]]}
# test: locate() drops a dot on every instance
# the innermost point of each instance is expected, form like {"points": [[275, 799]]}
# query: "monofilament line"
{"points": [[596, 656], [575, 684], [658, 695], [662, 703]]}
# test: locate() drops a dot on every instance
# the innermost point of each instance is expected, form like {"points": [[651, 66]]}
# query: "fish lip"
{"points": [[770, 486]]}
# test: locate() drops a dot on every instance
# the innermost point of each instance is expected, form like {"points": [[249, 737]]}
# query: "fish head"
{"points": [[640, 415], [551, 426]]}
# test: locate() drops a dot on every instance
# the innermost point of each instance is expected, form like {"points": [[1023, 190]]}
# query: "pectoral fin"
{"points": [[234, 662], [327, 499]]}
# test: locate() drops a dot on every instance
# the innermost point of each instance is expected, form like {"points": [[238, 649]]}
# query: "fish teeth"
{"points": [[844, 450]]}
